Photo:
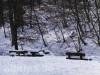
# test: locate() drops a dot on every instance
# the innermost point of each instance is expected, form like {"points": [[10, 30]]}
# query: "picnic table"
{"points": [[25, 53], [80, 55], [18, 53]]}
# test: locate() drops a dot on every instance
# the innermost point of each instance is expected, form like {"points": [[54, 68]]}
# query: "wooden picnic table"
{"points": [[19, 52], [70, 54]]}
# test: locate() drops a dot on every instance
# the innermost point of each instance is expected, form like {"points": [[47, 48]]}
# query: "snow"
{"points": [[47, 65], [5, 43], [54, 47], [55, 63], [55, 43]]}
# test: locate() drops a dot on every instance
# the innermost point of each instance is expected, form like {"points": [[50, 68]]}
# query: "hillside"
{"points": [[53, 27]]}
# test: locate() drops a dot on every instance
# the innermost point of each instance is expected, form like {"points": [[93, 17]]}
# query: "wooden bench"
{"points": [[70, 54], [36, 54], [25, 53], [18, 53]]}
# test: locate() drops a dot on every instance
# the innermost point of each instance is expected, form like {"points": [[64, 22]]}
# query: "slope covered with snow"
{"points": [[51, 25], [56, 48], [5, 43]]}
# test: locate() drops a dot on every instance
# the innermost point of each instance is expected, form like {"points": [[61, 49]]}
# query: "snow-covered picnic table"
{"points": [[24, 53]]}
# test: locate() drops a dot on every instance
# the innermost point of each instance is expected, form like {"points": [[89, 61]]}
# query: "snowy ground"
{"points": [[47, 65]]}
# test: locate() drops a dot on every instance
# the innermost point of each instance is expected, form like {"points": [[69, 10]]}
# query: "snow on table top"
{"points": [[47, 65]]}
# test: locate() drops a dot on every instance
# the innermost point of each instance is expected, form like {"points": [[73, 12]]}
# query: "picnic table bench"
{"points": [[18, 53], [70, 54], [36, 54], [24, 53]]}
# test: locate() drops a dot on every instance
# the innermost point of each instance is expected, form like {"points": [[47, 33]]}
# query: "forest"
{"points": [[69, 23]]}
